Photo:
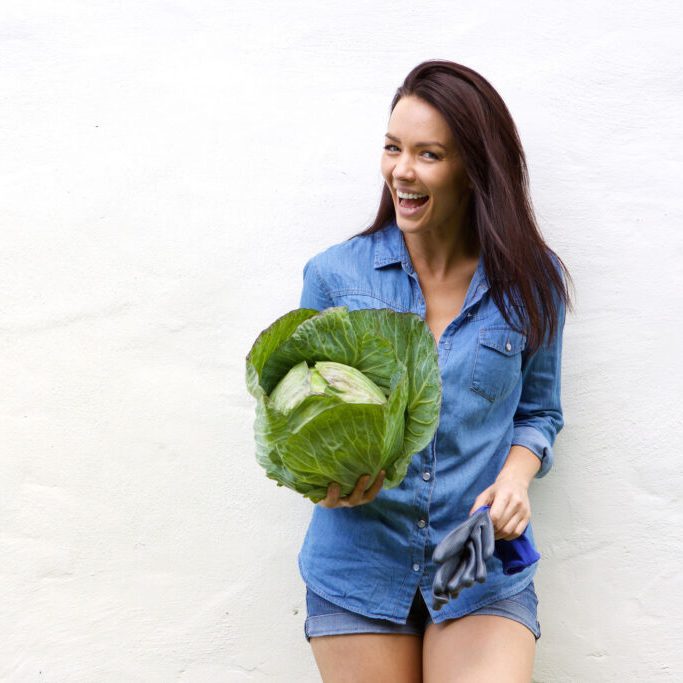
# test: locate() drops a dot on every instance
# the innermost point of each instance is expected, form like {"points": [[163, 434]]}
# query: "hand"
{"points": [[358, 496], [510, 508]]}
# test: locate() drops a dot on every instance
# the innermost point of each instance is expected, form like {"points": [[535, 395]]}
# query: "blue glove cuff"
{"points": [[517, 554]]}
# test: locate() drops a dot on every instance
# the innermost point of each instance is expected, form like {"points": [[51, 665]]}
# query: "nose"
{"points": [[403, 169]]}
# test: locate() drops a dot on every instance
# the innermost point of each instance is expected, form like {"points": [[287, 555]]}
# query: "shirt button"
{"points": [[422, 524], [508, 346], [416, 567], [426, 476]]}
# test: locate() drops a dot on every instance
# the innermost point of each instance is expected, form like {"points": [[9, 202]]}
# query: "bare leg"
{"points": [[369, 658], [478, 649]]}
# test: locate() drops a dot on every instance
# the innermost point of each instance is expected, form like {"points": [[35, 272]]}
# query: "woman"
{"points": [[454, 241]]}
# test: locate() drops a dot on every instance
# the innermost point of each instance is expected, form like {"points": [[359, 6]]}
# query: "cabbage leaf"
{"points": [[317, 421]]}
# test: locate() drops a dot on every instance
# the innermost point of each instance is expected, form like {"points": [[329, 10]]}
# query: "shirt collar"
{"points": [[390, 248]]}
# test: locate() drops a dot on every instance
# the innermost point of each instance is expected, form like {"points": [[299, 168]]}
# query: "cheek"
{"points": [[447, 197], [443, 196]]}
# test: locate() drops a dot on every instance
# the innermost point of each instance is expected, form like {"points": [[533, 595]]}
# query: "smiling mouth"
{"points": [[411, 208], [412, 203]]}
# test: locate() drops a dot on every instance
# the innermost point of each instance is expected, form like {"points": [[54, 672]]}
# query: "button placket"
{"points": [[422, 512], [418, 299]]}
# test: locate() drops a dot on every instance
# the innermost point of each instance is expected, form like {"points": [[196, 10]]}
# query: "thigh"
{"points": [[369, 658], [349, 647], [478, 648]]}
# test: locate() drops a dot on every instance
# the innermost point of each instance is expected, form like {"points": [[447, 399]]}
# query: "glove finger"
{"points": [[467, 578], [438, 601], [479, 564], [480, 517], [454, 542], [453, 585], [443, 574], [488, 538]]}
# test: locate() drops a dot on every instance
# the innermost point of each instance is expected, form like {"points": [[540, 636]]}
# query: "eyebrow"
{"points": [[417, 144]]}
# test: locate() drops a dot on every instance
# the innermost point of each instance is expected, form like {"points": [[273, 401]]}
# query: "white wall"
{"points": [[167, 168]]}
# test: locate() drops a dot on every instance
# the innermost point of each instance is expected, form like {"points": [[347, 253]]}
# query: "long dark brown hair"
{"points": [[500, 217]]}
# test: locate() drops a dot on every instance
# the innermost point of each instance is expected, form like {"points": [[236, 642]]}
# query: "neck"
{"points": [[442, 254]]}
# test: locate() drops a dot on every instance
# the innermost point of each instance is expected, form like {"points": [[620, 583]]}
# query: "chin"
{"points": [[406, 225]]}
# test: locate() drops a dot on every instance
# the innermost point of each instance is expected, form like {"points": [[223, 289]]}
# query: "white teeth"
{"points": [[408, 195]]}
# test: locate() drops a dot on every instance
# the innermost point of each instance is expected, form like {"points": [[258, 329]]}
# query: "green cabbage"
{"points": [[342, 393]]}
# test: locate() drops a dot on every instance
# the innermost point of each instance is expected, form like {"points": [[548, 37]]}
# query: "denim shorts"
{"points": [[323, 618]]}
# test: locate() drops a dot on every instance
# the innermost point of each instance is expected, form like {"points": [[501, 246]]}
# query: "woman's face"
{"points": [[433, 169]]}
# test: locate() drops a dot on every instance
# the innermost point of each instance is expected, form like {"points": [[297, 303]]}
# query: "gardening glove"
{"points": [[464, 551], [462, 555]]}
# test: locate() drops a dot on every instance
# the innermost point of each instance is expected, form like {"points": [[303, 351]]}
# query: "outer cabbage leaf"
{"points": [[414, 344], [326, 336], [267, 342], [339, 445], [325, 439]]}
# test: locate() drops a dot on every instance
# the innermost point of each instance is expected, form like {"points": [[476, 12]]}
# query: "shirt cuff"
{"points": [[537, 443]]}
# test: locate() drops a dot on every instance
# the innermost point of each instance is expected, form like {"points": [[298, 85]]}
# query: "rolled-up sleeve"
{"points": [[314, 293], [538, 418]]}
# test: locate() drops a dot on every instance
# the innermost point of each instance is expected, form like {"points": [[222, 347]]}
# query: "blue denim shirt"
{"points": [[372, 558]]}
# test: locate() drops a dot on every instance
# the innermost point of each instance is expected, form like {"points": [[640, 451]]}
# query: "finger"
{"points": [[506, 523], [509, 531], [521, 527], [332, 497], [515, 528], [356, 496], [515, 508], [484, 498], [497, 512], [522, 511], [376, 487], [335, 493], [510, 515], [502, 535]]}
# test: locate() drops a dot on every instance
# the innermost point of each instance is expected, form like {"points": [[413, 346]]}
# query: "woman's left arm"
{"points": [[508, 496], [536, 423]]}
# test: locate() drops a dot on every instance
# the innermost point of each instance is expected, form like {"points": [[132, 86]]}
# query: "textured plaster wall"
{"points": [[167, 168]]}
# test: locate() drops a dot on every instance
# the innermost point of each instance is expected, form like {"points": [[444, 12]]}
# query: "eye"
{"points": [[388, 149]]}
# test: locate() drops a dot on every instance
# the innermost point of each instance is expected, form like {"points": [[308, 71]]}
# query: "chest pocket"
{"points": [[497, 362]]}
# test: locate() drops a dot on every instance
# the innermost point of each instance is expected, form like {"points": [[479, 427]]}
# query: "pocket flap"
{"points": [[503, 340]]}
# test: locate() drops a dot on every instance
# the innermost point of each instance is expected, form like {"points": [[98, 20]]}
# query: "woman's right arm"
{"points": [[314, 293]]}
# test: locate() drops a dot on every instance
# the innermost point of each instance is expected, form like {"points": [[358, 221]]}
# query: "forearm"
{"points": [[521, 465]]}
